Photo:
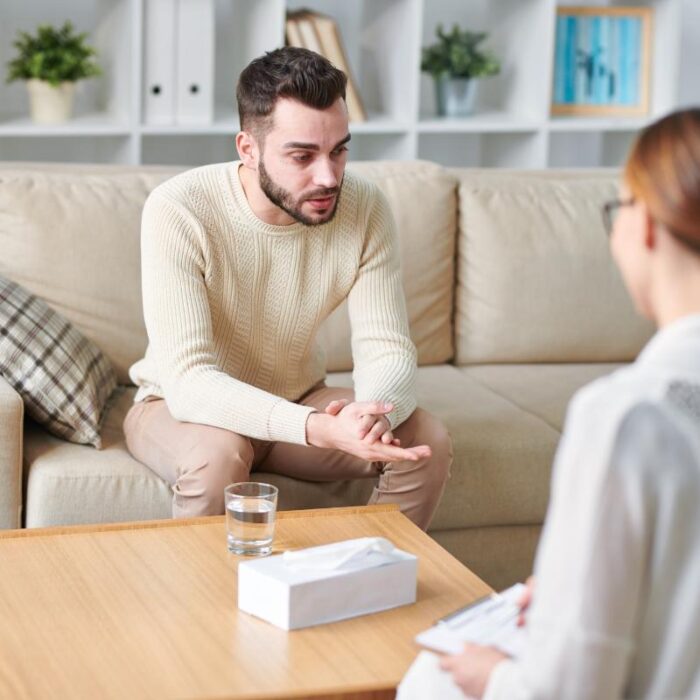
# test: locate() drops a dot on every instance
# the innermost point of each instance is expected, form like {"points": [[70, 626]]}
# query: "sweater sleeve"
{"points": [[179, 325], [384, 356]]}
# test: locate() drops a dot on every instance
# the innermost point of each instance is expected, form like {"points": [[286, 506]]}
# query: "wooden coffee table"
{"points": [[149, 609]]}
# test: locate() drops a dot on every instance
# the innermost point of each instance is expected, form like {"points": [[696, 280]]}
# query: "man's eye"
{"points": [[340, 150], [303, 158]]}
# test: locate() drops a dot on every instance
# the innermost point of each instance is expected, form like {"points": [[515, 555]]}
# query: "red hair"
{"points": [[663, 171]]}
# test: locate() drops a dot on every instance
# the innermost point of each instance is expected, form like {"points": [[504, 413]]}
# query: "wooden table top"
{"points": [[149, 609]]}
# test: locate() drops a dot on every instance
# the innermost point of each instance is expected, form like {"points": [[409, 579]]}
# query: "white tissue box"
{"points": [[327, 583]]}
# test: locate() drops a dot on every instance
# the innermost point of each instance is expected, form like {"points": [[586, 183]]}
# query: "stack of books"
{"points": [[319, 33]]}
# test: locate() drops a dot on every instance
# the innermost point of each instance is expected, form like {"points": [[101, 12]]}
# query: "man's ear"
{"points": [[247, 148]]}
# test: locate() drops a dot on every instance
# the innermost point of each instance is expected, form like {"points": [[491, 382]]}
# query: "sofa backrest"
{"points": [[535, 278], [70, 234]]}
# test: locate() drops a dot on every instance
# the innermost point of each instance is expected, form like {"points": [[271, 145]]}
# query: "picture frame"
{"points": [[602, 61]]}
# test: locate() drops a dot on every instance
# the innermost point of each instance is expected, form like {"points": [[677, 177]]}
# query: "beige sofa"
{"points": [[513, 300]]}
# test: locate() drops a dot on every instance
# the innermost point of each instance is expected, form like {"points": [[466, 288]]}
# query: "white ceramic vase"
{"points": [[49, 104]]}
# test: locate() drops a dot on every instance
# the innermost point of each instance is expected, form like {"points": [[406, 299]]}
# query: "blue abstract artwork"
{"points": [[598, 60]]}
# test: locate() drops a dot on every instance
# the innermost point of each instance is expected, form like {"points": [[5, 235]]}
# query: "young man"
{"points": [[242, 262]]}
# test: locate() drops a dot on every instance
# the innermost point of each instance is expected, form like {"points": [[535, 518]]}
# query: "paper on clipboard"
{"points": [[491, 622]]}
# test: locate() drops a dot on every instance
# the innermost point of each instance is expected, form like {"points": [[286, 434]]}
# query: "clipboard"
{"points": [[490, 621]]}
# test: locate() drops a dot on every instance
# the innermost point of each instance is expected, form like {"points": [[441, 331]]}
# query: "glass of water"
{"points": [[250, 517]]}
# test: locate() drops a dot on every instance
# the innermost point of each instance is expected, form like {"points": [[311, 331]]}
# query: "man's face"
{"points": [[302, 159]]}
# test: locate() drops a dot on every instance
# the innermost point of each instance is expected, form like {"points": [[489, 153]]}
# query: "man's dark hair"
{"points": [[291, 72]]}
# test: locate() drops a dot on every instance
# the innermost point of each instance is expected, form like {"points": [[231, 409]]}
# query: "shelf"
{"points": [[379, 124], [218, 128], [485, 122], [95, 124], [481, 150], [512, 126], [578, 124], [228, 123], [590, 149]]}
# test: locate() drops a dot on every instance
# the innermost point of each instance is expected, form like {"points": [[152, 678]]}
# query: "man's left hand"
{"points": [[371, 428], [472, 668]]}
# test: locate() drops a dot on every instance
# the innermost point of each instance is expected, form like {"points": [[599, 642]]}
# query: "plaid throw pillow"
{"points": [[63, 378]]}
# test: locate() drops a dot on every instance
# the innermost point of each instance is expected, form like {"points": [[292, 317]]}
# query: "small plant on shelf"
{"points": [[456, 61], [51, 62]]}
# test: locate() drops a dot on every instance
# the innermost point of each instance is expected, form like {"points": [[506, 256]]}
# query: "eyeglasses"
{"points": [[609, 211]]}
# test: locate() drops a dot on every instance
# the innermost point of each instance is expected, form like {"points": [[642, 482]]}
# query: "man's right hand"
{"points": [[342, 431]]}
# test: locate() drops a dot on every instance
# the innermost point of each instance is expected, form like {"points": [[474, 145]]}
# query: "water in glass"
{"points": [[250, 526]]}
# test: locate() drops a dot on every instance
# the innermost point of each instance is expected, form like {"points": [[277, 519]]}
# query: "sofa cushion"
{"points": [[500, 474], [542, 390], [72, 238], [62, 377], [111, 486], [502, 454], [536, 281], [423, 199], [500, 555], [70, 484]]}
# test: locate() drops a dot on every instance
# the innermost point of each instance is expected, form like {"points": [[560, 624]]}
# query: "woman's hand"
{"points": [[526, 600], [472, 668]]}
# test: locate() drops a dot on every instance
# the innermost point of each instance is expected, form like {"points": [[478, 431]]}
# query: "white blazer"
{"points": [[616, 611]]}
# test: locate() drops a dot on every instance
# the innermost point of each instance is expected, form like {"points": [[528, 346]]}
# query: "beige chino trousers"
{"points": [[199, 461]]}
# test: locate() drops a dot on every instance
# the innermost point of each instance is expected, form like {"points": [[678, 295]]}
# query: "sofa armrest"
{"points": [[11, 441]]}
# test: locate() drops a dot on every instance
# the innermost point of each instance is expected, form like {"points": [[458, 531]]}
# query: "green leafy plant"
{"points": [[457, 55], [53, 55]]}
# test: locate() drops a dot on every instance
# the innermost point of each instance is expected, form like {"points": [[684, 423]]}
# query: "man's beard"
{"points": [[286, 201]]}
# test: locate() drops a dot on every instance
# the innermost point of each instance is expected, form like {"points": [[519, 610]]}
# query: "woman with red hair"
{"points": [[615, 609]]}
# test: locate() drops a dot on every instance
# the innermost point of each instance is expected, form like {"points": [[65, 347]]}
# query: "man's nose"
{"points": [[325, 175]]}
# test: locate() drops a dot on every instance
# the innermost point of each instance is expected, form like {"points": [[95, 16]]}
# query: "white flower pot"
{"points": [[49, 104]]}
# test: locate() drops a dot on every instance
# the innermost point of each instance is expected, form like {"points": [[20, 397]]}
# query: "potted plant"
{"points": [[455, 62], [51, 62]]}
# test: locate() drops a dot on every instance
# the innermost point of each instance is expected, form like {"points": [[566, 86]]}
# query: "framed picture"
{"points": [[601, 61]]}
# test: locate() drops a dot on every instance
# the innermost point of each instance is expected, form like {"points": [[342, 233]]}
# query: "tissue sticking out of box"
{"points": [[332, 556]]}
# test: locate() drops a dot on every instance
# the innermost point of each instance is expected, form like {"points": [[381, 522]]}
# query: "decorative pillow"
{"points": [[63, 378]]}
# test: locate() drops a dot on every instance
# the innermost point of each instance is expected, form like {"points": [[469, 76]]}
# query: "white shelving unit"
{"points": [[383, 38]]}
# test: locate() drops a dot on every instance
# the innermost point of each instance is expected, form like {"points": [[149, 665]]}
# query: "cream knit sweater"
{"points": [[232, 305]]}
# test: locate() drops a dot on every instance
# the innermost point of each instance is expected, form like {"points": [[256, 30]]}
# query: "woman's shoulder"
{"points": [[637, 416], [620, 391], [597, 411]]}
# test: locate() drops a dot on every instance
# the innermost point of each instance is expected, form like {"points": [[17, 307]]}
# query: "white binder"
{"points": [[195, 62], [159, 99]]}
